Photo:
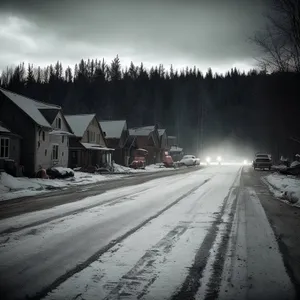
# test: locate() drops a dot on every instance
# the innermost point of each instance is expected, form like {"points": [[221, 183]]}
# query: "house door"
{"points": [[74, 158], [94, 158]]}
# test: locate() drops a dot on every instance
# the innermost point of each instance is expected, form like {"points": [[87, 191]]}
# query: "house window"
{"points": [[43, 135], [46, 152], [4, 147], [55, 152], [63, 139], [92, 137], [88, 136], [58, 123]]}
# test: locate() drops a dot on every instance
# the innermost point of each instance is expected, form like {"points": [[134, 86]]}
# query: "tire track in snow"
{"points": [[111, 201], [106, 248], [192, 282], [142, 275], [213, 286]]}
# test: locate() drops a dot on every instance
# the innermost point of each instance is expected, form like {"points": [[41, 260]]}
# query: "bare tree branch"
{"points": [[280, 41]]}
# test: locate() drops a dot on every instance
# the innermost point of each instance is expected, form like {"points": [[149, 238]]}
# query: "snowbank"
{"points": [[285, 187], [149, 168], [63, 171], [11, 187], [279, 167], [295, 163]]}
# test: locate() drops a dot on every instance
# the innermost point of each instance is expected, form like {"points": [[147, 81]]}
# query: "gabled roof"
{"points": [[141, 131], [31, 107], [3, 128], [49, 114], [161, 131], [175, 149], [113, 129], [6, 131], [79, 123]]}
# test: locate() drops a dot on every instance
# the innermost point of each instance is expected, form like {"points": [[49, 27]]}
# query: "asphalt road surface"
{"points": [[215, 233]]}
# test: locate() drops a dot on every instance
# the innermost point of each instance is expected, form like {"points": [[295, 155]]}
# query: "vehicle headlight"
{"points": [[219, 158], [245, 162], [208, 159]]}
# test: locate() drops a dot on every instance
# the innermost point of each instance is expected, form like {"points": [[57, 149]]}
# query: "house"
{"points": [[43, 128], [10, 147], [147, 137], [171, 141], [175, 151], [88, 146], [117, 137]]}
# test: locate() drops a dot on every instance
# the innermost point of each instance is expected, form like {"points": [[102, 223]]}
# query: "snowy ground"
{"points": [[149, 168], [164, 239], [284, 187], [11, 187]]}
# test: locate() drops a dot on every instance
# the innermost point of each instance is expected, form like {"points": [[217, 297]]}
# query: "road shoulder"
{"points": [[285, 222]]}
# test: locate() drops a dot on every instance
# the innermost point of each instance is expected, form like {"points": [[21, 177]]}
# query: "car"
{"points": [[262, 161], [189, 160]]}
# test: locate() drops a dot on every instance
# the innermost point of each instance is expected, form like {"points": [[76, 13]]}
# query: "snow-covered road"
{"points": [[169, 238]]}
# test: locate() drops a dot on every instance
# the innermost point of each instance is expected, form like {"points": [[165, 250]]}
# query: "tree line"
{"points": [[253, 110]]}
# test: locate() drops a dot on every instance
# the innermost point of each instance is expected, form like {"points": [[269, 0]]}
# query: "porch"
{"points": [[90, 155]]}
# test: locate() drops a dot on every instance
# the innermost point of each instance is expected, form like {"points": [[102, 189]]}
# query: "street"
{"points": [[211, 233]]}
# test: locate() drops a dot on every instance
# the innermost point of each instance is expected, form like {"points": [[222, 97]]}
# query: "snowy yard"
{"points": [[11, 187], [284, 187]]}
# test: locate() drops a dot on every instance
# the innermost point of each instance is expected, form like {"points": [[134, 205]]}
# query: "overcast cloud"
{"points": [[204, 33]]}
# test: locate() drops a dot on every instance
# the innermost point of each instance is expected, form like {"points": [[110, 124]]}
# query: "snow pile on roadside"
{"points": [[122, 169], [279, 167], [285, 187], [156, 167], [12, 187], [9, 183], [149, 168], [87, 178], [62, 171], [295, 163]]}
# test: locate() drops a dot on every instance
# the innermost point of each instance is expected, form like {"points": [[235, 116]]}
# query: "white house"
{"points": [[43, 128]]}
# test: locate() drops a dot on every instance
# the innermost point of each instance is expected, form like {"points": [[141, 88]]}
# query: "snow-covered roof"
{"points": [[95, 147], [31, 107], [175, 149], [113, 129], [3, 129], [60, 132], [161, 131], [141, 131], [79, 123]]}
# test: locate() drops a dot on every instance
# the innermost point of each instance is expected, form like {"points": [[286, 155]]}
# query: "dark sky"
{"points": [[205, 33]]}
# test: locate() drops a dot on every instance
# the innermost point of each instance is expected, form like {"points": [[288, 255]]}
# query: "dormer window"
{"points": [[58, 123]]}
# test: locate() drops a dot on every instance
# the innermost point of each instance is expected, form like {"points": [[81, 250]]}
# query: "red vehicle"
{"points": [[168, 160], [139, 159]]}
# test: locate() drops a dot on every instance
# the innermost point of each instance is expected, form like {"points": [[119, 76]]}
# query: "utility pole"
{"points": [[202, 103], [198, 127]]}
